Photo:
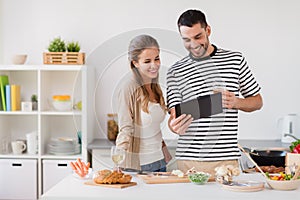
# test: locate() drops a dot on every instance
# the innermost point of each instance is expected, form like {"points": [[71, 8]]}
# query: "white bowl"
{"points": [[19, 59], [62, 105], [284, 185]]}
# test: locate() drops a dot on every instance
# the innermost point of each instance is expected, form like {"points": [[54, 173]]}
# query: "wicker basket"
{"points": [[64, 58]]}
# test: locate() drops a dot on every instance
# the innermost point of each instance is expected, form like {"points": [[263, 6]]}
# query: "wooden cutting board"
{"points": [[120, 186], [161, 178]]}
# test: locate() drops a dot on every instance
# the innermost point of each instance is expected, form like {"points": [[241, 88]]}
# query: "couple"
{"points": [[204, 143]]}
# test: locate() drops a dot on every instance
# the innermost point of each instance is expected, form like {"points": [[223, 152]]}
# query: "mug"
{"points": [[18, 147]]}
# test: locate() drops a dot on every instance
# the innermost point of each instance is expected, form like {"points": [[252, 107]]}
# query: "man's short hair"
{"points": [[192, 17]]}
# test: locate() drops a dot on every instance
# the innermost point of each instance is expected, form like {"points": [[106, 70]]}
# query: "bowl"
{"points": [[62, 102], [19, 59], [199, 178], [284, 185]]}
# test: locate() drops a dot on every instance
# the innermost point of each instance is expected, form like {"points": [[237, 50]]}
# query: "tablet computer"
{"points": [[202, 106]]}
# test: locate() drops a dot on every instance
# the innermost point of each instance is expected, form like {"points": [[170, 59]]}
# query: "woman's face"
{"points": [[148, 64]]}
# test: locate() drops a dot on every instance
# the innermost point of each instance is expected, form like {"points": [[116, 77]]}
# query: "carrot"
{"points": [[73, 166]]}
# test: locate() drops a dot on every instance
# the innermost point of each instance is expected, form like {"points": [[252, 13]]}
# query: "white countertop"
{"points": [[106, 144], [74, 188]]}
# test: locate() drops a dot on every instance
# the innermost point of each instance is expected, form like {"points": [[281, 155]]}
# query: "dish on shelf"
{"points": [[63, 146], [62, 102]]}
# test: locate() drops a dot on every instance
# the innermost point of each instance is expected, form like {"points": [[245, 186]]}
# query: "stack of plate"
{"points": [[63, 146]]}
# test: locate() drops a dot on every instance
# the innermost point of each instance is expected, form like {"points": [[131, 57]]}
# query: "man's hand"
{"points": [[180, 124], [248, 104]]}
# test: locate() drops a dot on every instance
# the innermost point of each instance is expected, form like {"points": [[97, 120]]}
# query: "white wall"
{"points": [[267, 32]]}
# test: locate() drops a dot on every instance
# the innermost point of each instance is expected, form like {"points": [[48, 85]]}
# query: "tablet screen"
{"points": [[202, 106]]}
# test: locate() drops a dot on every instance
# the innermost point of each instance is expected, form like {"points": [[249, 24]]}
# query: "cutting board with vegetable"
{"points": [[160, 178], [120, 186]]}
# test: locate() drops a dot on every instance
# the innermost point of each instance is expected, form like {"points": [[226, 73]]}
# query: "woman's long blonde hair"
{"points": [[136, 47]]}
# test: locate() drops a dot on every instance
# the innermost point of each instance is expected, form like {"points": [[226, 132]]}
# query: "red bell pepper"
{"points": [[296, 149]]}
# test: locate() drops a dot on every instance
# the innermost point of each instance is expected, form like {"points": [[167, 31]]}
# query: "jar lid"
{"points": [[112, 114]]}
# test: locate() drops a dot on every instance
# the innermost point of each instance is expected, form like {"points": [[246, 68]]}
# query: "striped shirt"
{"points": [[213, 138]]}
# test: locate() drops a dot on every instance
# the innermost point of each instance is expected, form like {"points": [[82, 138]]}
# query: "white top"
{"points": [[151, 136]]}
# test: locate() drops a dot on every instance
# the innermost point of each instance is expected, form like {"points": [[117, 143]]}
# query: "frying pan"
{"points": [[269, 157]]}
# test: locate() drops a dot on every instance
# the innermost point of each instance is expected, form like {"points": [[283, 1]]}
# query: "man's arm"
{"points": [[248, 104]]}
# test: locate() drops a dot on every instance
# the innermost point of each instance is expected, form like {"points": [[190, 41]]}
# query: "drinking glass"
{"points": [[117, 156]]}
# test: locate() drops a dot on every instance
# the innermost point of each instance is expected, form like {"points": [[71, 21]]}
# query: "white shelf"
{"points": [[77, 113], [45, 81], [18, 113]]}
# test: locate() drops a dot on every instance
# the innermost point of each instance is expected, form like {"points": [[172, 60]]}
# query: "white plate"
{"points": [[88, 176], [244, 186]]}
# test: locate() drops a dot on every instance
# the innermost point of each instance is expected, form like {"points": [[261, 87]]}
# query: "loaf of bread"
{"points": [[111, 177]]}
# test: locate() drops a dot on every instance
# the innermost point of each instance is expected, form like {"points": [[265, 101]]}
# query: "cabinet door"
{"points": [[54, 171], [101, 159], [18, 179]]}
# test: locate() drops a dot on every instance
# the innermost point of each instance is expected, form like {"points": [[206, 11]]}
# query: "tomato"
{"points": [[296, 149]]}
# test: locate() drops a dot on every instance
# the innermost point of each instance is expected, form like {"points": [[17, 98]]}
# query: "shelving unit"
{"points": [[45, 81]]}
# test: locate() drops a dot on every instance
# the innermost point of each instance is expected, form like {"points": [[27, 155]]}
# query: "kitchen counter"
{"points": [[103, 145], [106, 144], [74, 188]]}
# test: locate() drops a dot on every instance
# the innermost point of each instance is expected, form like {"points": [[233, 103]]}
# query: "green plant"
{"points": [[34, 98], [57, 45], [73, 47]]}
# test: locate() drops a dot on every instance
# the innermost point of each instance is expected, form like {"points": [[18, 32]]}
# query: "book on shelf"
{"points": [[3, 83], [8, 98], [15, 91]]}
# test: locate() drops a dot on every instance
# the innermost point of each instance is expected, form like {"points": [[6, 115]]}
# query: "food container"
{"points": [[199, 178], [112, 126], [62, 102], [284, 185]]}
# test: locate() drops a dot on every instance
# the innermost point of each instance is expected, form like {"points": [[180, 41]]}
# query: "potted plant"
{"points": [[73, 47], [34, 102], [57, 45], [61, 52]]}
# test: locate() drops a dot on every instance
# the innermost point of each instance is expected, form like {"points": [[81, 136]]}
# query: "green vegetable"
{"points": [[199, 177], [293, 145]]}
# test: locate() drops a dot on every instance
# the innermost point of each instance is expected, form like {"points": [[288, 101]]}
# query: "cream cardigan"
{"points": [[129, 120]]}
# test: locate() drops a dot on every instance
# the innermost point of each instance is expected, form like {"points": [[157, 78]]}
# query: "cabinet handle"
{"points": [[17, 165], [62, 165]]}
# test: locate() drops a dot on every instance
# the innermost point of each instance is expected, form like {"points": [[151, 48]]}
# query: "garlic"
{"points": [[226, 173], [178, 173]]}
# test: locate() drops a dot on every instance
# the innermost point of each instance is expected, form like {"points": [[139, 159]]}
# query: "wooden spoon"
{"points": [[249, 157]]}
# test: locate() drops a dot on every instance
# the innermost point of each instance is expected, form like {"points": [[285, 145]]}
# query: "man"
{"points": [[208, 142]]}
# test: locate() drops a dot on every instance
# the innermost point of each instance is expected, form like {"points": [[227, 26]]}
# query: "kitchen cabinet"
{"points": [[18, 178], [45, 81], [54, 171]]}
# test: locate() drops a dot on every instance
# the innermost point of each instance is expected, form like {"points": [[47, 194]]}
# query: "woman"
{"points": [[141, 108]]}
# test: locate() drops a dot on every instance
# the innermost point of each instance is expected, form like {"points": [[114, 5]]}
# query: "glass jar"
{"points": [[112, 126]]}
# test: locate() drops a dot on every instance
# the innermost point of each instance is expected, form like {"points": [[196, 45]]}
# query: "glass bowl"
{"points": [[199, 178]]}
